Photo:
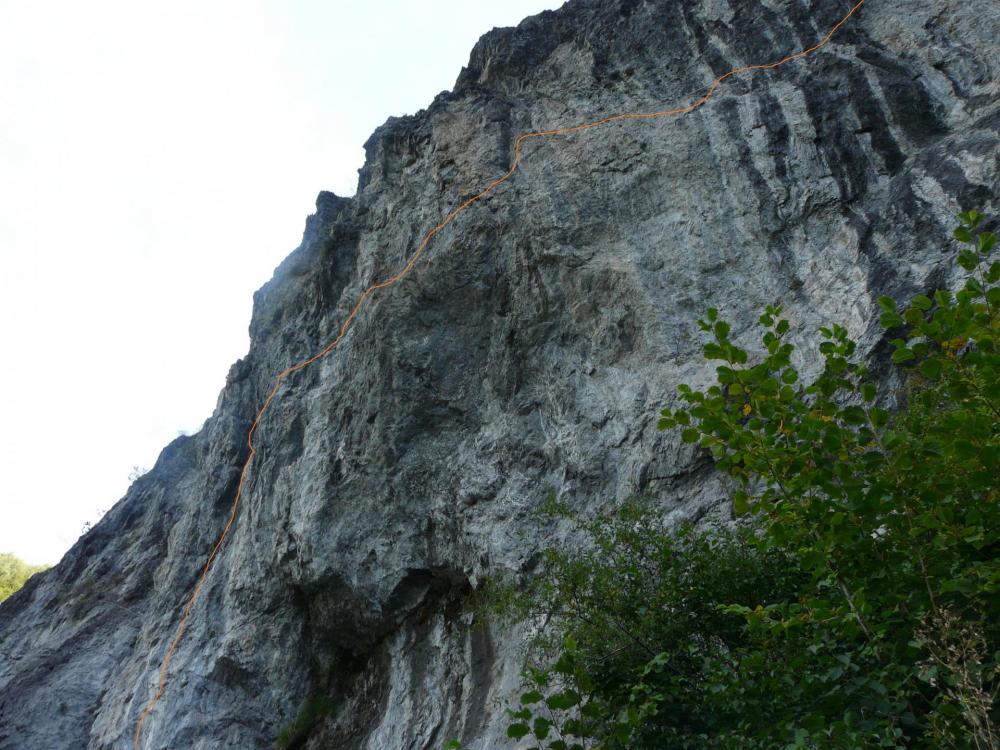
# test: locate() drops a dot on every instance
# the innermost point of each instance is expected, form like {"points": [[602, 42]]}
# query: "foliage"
{"points": [[14, 573], [864, 609], [895, 516], [640, 637]]}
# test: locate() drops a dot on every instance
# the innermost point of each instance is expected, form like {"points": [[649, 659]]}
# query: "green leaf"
{"points": [[868, 392], [968, 260], [854, 415], [722, 330], [962, 234], [541, 728], [690, 435], [591, 710], [713, 314], [921, 302], [530, 697], [741, 503], [517, 731], [970, 218], [725, 374], [986, 242], [890, 320], [887, 303], [931, 368], [713, 351], [563, 701], [903, 354], [565, 664]]}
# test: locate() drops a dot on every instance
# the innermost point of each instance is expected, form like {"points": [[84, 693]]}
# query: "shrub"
{"points": [[857, 607]]}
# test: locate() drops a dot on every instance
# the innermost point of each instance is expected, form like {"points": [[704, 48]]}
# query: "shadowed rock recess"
{"points": [[531, 347]]}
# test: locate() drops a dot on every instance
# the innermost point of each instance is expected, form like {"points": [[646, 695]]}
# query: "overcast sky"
{"points": [[157, 161]]}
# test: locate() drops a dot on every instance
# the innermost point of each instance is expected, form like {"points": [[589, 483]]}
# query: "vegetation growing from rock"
{"points": [[858, 606], [14, 573]]}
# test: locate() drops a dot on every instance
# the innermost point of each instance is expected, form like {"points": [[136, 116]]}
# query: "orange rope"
{"points": [[399, 276]]}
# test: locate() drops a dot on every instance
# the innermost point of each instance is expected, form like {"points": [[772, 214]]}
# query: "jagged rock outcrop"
{"points": [[531, 347]]}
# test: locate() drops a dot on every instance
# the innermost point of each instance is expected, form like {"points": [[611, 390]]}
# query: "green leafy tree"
{"points": [[895, 516], [859, 605], [14, 573]]}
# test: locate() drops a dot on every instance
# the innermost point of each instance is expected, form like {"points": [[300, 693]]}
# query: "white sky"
{"points": [[157, 161]]}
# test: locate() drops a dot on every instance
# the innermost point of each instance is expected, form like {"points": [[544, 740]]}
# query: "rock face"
{"points": [[530, 348]]}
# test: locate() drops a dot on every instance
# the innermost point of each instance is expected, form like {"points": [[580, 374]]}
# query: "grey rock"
{"points": [[531, 348]]}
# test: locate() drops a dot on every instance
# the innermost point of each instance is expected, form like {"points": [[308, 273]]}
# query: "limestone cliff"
{"points": [[531, 347]]}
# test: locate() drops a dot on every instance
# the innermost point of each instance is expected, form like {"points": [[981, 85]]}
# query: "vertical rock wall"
{"points": [[531, 348]]}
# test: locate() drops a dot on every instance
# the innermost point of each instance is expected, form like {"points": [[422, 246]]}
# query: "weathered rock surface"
{"points": [[531, 347]]}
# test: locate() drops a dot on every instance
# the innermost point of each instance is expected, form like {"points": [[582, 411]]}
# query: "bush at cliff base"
{"points": [[857, 604]]}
